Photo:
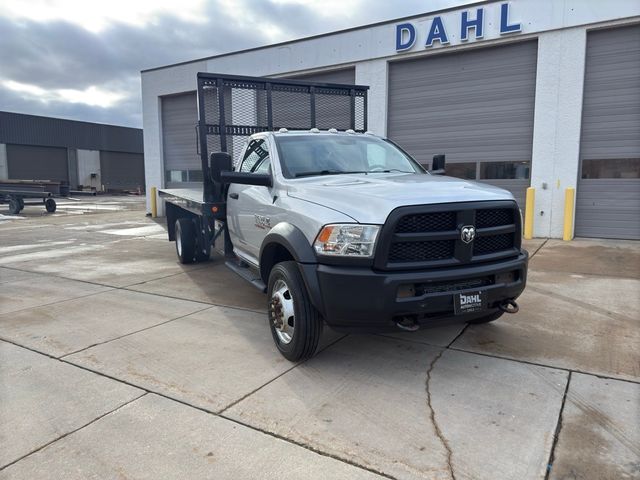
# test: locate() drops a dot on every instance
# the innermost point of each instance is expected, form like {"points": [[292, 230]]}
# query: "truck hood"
{"points": [[370, 198]]}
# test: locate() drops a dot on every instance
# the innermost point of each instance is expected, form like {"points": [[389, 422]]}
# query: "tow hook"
{"points": [[509, 306], [408, 323]]}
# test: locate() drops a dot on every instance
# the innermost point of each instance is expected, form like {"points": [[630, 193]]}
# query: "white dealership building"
{"points": [[540, 93]]}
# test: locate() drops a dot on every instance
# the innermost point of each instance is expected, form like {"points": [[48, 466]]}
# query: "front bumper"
{"points": [[361, 299]]}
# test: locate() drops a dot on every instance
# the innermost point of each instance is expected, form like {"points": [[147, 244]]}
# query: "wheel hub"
{"points": [[281, 311]]}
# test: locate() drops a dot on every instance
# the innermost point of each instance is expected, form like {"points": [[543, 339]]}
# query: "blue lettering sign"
{"points": [[408, 31], [476, 24], [436, 32], [504, 21]]}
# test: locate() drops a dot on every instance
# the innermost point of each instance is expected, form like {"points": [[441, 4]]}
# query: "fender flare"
{"points": [[293, 240]]}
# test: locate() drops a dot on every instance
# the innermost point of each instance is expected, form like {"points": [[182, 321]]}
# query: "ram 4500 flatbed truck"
{"points": [[345, 228]]}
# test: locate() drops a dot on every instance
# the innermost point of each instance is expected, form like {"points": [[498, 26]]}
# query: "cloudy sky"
{"points": [[81, 59]]}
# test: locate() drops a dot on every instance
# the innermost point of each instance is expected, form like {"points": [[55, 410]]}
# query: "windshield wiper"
{"points": [[390, 170], [327, 172]]}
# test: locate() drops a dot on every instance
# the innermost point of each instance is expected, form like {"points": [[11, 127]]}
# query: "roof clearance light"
{"points": [[314, 130], [283, 130], [350, 131], [333, 130]]}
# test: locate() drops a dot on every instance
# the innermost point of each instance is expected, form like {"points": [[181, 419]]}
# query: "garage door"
{"points": [[475, 106], [331, 110], [27, 162], [181, 159], [608, 197], [122, 171]]}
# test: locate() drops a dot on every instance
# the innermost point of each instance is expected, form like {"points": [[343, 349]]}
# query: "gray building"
{"points": [[105, 157], [518, 94]]}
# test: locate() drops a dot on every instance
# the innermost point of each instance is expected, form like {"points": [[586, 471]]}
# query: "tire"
{"points": [[50, 205], [203, 256], [14, 206], [295, 323], [185, 240], [487, 318]]}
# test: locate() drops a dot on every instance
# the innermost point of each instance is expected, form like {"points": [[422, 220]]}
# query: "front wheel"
{"points": [[295, 323]]}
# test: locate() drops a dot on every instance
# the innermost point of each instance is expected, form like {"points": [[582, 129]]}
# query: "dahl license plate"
{"points": [[469, 302]]}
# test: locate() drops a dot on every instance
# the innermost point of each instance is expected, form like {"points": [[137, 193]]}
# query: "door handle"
{"points": [[233, 195]]}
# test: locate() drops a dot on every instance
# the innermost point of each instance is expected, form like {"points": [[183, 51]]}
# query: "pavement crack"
{"points": [[539, 248], [432, 416], [556, 435], [71, 432]]}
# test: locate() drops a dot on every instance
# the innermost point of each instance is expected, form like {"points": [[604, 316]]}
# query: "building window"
{"points": [[180, 176], [612, 168], [466, 171], [505, 170]]}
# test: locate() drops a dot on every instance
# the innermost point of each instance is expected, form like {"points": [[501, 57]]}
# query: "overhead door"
{"points": [[122, 171], [608, 196], [28, 162], [181, 160], [331, 110], [476, 107]]}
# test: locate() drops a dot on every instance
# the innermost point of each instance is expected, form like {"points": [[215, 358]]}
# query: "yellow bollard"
{"points": [[569, 200], [528, 213], [154, 202]]}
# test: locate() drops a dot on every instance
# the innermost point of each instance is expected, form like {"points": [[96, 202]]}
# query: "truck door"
{"points": [[249, 206]]}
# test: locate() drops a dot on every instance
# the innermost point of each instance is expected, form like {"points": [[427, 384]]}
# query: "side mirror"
{"points": [[437, 167], [219, 162], [245, 178]]}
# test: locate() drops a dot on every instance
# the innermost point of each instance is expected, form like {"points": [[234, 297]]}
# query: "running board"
{"points": [[248, 274]]}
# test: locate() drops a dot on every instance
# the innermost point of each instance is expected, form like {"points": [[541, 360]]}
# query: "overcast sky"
{"points": [[81, 59]]}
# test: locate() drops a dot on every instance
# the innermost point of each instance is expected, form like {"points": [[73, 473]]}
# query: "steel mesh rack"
{"points": [[231, 108]]}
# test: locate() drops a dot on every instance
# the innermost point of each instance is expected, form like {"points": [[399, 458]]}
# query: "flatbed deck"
{"points": [[190, 199]]}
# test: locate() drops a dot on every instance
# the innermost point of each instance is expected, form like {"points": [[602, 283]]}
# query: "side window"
{"points": [[256, 158]]}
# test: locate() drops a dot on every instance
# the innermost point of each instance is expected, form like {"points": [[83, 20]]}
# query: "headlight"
{"points": [[347, 240]]}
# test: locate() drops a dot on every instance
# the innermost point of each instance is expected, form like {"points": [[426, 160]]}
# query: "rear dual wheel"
{"points": [[187, 247]]}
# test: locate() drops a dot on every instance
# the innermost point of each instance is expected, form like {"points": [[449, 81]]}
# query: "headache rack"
{"points": [[231, 108]]}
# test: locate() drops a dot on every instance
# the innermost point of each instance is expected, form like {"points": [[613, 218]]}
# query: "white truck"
{"points": [[346, 229]]}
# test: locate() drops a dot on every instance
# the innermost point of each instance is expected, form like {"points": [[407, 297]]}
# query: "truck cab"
{"points": [[347, 229]]}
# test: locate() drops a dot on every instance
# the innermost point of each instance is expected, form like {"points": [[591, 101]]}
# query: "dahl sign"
{"points": [[467, 25]]}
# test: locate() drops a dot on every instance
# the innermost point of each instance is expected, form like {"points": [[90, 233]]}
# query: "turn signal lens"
{"points": [[347, 240]]}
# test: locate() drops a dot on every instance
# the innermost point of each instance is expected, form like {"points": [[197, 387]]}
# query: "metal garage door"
{"points": [[608, 200], [331, 111], [122, 171], [475, 106], [181, 160], [28, 162]]}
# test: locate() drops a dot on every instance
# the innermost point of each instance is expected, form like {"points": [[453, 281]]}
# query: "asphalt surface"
{"points": [[118, 362]]}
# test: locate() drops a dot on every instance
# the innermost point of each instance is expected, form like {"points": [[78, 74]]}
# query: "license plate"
{"points": [[469, 302]]}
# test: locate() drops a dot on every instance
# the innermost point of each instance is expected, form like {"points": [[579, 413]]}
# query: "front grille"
{"points": [[421, 251], [492, 244], [429, 236], [427, 222], [494, 217]]}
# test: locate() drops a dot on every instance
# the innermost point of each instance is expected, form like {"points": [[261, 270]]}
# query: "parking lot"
{"points": [[116, 361]]}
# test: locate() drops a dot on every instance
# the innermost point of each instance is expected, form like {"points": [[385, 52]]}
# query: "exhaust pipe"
{"points": [[509, 306], [408, 323]]}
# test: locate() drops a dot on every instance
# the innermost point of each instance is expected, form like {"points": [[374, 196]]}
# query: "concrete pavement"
{"points": [[116, 361]]}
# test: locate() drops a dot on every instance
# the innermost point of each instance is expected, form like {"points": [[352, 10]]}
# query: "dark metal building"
{"points": [[105, 157]]}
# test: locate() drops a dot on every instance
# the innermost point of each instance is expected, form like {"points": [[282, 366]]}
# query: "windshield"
{"points": [[309, 155]]}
